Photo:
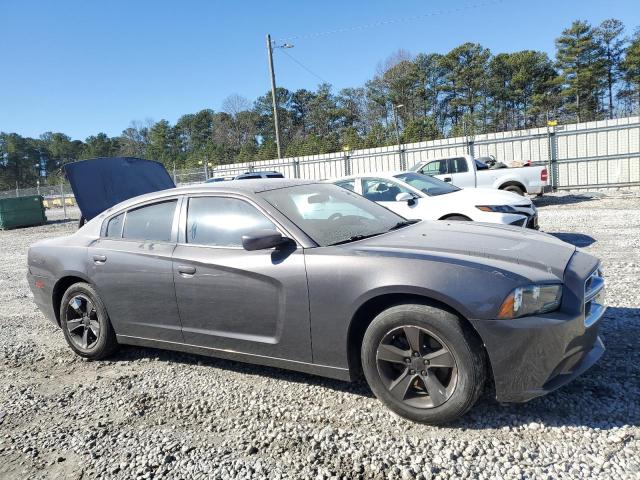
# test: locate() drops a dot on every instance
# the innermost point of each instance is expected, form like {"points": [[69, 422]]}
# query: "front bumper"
{"points": [[527, 221], [532, 356]]}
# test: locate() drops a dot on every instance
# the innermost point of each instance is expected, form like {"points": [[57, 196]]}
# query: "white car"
{"points": [[414, 195]]}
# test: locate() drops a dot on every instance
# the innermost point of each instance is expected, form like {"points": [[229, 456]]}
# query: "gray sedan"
{"points": [[315, 278]]}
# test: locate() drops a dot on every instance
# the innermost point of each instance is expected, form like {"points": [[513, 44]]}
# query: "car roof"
{"points": [[242, 187], [253, 185]]}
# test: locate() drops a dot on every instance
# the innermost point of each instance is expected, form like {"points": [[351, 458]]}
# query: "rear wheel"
{"points": [[515, 189], [458, 218], [85, 323], [423, 363]]}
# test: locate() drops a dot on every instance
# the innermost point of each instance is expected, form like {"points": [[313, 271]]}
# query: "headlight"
{"points": [[497, 208], [531, 300]]}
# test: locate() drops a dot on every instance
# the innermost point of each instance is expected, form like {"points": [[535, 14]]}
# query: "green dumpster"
{"points": [[21, 212]]}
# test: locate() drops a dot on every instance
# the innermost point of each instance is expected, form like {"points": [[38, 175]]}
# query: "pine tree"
{"points": [[579, 57], [631, 69], [609, 36]]}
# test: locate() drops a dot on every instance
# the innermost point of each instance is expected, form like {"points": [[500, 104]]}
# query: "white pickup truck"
{"points": [[465, 171]]}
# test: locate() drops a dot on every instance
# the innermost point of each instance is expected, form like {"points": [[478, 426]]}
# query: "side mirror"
{"points": [[406, 197], [263, 239]]}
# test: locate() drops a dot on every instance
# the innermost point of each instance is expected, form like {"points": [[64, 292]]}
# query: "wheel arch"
{"points": [[449, 215], [365, 314], [61, 286], [513, 183]]}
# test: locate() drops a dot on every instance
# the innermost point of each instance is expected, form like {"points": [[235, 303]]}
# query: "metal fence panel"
{"points": [[600, 154], [583, 155]]}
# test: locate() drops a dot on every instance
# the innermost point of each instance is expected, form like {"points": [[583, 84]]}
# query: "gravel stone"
{"points": [[151, 414]]}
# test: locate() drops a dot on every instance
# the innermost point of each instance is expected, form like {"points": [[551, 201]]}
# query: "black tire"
{"points": [[514, 189], [458, 218], [438, 327], [85, 323]]}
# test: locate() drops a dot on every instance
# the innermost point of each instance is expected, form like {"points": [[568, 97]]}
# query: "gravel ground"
{"points": [[150, 414]]}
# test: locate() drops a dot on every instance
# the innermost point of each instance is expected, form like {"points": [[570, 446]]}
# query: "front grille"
{"points": [[594, 298]]}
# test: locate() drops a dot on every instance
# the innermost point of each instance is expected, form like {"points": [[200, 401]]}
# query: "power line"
{"points": [[304, 66], [393, 21]]}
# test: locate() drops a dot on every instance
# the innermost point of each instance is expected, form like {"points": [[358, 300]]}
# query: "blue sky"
{"points": [[81, 67]]}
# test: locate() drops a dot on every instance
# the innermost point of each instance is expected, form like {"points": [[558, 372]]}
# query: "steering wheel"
{"points": [[335, 216]]}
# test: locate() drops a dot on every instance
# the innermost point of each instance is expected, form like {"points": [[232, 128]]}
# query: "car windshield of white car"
{"points": [[429, 185], [331, 215]]}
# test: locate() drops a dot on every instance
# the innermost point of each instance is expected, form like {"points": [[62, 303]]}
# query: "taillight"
{"points": [[544, 175]]}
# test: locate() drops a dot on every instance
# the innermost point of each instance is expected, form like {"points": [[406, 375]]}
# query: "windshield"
{"points": [[429, 185], [330, 214]]}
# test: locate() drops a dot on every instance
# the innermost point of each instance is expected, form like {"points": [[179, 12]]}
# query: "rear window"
{"points": [[151, 222]]}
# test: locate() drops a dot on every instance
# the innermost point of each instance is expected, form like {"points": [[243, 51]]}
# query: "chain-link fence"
{"points": [[47, 191]]}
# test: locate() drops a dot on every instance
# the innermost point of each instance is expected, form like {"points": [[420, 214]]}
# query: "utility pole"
{"points": [[273, 94], [395, 120]]}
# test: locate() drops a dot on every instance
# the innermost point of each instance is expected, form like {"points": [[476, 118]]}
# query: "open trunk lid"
{"points": [[101, 183]]}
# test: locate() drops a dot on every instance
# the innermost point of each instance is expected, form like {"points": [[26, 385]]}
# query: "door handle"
{"points": [[186, 270], [447, 179], [99, 258]]}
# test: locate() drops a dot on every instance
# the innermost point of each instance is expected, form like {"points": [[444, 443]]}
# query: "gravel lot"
{"points": [[149, 413]]}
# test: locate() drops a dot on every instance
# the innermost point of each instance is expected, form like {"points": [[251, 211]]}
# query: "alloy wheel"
{"points": [[416, 367], [82, 322]]}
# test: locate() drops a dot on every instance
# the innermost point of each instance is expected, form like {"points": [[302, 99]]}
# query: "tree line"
{"points": [[469, 90]]}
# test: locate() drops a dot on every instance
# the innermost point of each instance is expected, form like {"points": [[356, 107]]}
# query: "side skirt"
{"points": [[314, 369]]}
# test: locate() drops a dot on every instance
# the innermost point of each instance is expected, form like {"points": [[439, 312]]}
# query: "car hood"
{"points": [[488, 196], [479, 240], [101, 183]]}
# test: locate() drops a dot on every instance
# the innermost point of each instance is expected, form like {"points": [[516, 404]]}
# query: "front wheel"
{"points": [[85, 323], [423, 363]]}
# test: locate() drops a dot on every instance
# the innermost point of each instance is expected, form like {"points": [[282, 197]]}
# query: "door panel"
{"points": [[229, 298], [460, 174], [252, 302], [135, 281]]}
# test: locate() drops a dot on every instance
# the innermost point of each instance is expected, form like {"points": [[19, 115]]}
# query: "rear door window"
{"points": [[348, 185], [458, 165], [151, 222]]}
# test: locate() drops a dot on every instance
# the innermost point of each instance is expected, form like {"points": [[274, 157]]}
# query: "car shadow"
{"points": [[548, 200], [576, 239], [604, 397]]}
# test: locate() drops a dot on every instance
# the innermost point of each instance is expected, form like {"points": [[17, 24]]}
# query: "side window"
{"points": [[221, 221], [381, 190], [458, 165], [151, 222], [437, 167], [114, 227], [348, 185]]}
